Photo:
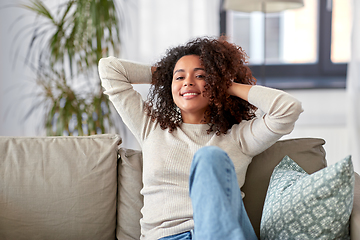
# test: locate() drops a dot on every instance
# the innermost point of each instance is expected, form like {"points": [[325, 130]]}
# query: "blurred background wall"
{"points": [[152, 26]]}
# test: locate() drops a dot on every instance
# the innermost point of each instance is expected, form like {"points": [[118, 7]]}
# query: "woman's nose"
{"points": [[189, 82]]}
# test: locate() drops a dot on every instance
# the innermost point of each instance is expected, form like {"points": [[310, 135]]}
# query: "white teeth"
{"points": [[189, 94]]}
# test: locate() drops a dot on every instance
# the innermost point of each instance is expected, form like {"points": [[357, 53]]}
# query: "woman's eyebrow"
{"points": [[195, 69], [179, 70]]}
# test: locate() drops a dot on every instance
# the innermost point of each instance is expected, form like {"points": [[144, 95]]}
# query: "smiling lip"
{"points": [[189, 95]]}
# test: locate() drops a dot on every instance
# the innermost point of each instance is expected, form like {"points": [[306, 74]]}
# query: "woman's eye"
{"points": [[179, 78], [200, 76]]}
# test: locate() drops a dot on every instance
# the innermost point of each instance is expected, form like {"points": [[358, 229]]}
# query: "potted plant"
{"points": [[66, 45]]}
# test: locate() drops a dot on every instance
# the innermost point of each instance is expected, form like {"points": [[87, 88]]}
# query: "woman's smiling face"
{"points": [[188, 86]]}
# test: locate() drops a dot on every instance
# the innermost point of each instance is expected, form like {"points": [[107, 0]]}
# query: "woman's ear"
{"points": [[153, 69]]}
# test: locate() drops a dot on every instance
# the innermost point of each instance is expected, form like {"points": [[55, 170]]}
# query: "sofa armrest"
{"points": [[355, 214]]}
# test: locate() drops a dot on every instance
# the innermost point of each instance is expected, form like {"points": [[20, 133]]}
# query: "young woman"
{"points": [[198, 133]]}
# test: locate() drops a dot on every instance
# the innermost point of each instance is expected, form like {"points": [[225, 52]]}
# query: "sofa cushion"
{"points": [[307, 152], [355, 214], [130, 201], [58, 187], [303, 206]]}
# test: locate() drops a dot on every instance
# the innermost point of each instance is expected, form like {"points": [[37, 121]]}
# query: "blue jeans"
{"points": [[180, 236], [219, 212]]}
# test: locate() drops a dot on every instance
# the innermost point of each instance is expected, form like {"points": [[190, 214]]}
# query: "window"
{"points": [[300, 48], [341, 31]]}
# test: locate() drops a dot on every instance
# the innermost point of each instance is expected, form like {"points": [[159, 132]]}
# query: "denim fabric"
{"points": [[181, 236], [219, 212]]}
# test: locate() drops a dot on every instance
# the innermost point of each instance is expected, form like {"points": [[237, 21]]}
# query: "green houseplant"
{"points": [[66, 44]]}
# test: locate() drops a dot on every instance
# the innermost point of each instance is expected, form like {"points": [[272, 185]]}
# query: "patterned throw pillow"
{"points": [[303, 206]]}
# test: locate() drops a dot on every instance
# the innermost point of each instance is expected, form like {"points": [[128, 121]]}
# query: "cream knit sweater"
{"points": [[167, 156]]}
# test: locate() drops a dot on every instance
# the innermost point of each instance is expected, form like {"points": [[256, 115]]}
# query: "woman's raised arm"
{"points": [[239, 90], [117, 77]]}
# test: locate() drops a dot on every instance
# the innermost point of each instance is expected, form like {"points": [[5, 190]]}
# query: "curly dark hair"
{"points": [[224, 63]]}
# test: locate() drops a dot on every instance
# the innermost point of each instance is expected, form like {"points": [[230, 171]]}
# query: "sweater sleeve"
{"points": [[116, 77], [281, 110]]}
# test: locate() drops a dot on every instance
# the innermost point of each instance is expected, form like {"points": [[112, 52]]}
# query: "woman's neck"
{"points": [[194, 118]]}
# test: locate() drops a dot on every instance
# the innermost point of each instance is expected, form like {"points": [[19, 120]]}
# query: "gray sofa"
{"points": [[88, 187]]}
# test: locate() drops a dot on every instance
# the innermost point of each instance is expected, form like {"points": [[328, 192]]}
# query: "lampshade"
{"points": [[262, 5]]}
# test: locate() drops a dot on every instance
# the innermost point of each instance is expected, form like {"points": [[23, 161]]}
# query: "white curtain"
{"points": [[353, 89]]}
